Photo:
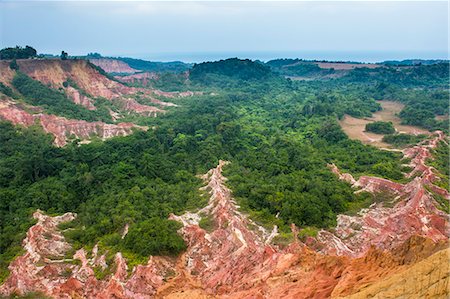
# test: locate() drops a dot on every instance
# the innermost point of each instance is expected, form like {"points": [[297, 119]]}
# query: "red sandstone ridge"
{"points": [[237, 260], [63, 128], [143, 78], [416, 212], [113, 65], [83, 84], [90, 84], [43, 268]]}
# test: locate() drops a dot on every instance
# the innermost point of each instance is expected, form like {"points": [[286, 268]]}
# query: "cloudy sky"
{"points": [[168, 30]]}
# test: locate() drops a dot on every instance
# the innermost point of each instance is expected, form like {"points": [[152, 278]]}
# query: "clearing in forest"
{"points": [[355, 127]]}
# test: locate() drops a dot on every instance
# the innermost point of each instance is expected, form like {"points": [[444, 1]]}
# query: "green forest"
{"points": [[278, 134]]}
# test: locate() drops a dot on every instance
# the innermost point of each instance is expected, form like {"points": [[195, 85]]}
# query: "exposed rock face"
{"points": [[216, 258], [43, 268], [142, 78], [63, 128], [55, 72], [113, 65], [82, 84], [426, 279], [80, 99], [404, 256], [415, 213]]}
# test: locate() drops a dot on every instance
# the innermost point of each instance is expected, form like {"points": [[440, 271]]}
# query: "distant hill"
{"points": [[409, 62], [232, 68], [314, 68]]}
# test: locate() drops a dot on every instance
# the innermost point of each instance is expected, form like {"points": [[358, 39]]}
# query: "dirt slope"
{"points": [[87, 84], [61, 128], [113, 65], [426, 279]]}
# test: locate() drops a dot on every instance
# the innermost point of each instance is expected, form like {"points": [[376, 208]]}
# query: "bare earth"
{"points": [[355, 127]]}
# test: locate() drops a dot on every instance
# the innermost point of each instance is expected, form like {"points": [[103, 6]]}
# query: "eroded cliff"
{"points": [[110, 65], [83, 84]]}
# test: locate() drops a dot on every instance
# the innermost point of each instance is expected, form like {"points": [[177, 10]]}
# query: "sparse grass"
{"points": [[309, 231], [207, 223], [67, 272], [169, 274], [101, 273], [366, 199], [283, 239], [443, 203], [31, 295]]}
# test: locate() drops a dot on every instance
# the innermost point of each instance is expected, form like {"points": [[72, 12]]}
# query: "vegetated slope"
{"points": [[281, 139], [217, 73], [76, 97], [305, 69], [414, 62]]}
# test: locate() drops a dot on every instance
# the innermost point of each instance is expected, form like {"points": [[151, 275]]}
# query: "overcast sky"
{"points": [[149, 29]]}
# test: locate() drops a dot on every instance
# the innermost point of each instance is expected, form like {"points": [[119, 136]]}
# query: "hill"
{"points": [[233, 68], [79, 95]]}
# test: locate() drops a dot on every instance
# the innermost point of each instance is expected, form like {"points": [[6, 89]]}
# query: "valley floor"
{"points": [[355, 127]]}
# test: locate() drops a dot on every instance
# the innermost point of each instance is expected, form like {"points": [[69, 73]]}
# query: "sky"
{"points": [[208, 30]]}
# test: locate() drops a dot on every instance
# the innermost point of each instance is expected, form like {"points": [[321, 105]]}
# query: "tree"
{"points": [[17, 53], [380, 127], [64, 55], [13, 65]]}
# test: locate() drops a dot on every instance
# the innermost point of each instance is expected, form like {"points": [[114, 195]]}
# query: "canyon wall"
{"points": [[110, 65], [82, 84]]}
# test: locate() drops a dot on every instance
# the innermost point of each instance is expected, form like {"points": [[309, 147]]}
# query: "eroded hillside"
{"points": [[98, 97]]}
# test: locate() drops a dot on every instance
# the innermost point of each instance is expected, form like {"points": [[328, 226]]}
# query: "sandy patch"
{"points": [[354, 127]]}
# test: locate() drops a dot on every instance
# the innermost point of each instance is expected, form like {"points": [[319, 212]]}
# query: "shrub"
{"points": [[380, 127]]}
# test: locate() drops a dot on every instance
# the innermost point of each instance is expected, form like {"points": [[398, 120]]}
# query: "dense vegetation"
{"points": [[423, 89], [229, 72], [17, 53], [298, 68], [279, 136], [401, 140], [380, 127], [420, 76]]}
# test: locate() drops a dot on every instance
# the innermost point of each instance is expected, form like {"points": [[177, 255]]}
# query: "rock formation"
{"points": [[110, 65], [61, 128], [383, 252], [142, 78], [87, 84], [415, 214], [82, 84]]}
